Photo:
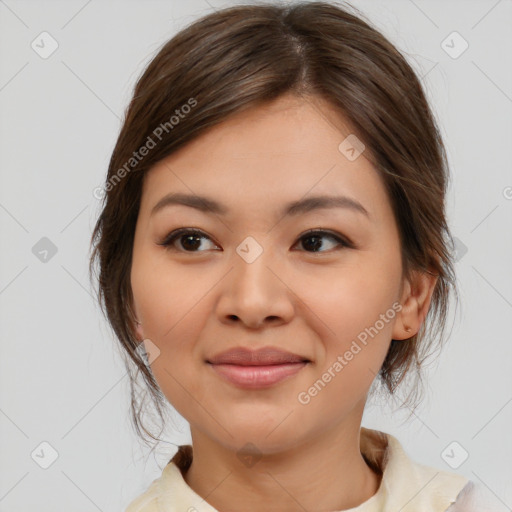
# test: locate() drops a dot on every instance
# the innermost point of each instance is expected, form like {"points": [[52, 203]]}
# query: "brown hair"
{"points": [[247, 55]]}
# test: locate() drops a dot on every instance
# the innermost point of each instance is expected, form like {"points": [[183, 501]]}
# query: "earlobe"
{"points": [[415, 301]]}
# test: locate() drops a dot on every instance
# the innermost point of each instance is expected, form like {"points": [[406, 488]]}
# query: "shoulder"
{"points": [[472, 498], [169, 492], [147, 502], [406, 484], [436, 489]]}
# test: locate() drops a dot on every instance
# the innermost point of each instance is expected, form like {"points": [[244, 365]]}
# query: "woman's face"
{"points": [[253, 278]]}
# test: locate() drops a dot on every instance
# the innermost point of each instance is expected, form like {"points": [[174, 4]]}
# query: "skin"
{"points": [[195, 303]]}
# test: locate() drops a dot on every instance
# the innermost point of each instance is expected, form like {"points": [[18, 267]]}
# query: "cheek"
{"points": [[166, 296], [355, 319], [348, 300], [172, 306], [351, 354]]}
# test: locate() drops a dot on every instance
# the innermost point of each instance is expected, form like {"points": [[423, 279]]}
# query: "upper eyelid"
{"points": [[175, 234]]}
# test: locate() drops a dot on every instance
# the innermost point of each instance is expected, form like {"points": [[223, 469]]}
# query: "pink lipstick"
{"points": [[255, 369]]}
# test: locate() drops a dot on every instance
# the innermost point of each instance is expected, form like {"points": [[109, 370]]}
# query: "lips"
{"points": [[261, 357], [255, 369]]}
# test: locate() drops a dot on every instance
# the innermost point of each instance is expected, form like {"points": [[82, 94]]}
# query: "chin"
{"points": [[266, 437]]}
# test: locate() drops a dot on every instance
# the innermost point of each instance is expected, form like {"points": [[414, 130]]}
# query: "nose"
{"points": [[255, 293]]}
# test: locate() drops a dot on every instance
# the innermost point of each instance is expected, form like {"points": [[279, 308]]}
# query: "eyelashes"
{"points": [[191, 238], [191, 234]]}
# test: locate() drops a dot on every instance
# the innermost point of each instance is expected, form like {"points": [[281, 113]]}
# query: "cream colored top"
{"points": [[405, 485]]}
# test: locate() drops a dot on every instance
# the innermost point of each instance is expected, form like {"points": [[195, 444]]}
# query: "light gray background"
{"points": [[61, 378]]}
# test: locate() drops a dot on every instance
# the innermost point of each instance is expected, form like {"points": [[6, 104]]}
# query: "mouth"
{"points": [[256, 369]]}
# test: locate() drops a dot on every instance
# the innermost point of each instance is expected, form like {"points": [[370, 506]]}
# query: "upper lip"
{"points": [[248, 357]]}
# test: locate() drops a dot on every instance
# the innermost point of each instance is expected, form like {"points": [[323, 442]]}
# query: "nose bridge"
{"points": [[254, 293], [251, 264]]}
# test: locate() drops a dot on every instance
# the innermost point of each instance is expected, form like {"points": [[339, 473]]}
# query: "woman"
{"points": [[273, 242]]}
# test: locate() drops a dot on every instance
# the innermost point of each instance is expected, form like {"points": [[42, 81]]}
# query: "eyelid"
{"points": [[344, 240], [174, 235]]}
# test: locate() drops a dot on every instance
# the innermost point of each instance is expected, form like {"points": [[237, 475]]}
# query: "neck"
{"points": [[326, 472]]}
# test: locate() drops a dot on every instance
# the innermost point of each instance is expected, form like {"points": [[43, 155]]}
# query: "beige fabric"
{"points": [[405, 485]]}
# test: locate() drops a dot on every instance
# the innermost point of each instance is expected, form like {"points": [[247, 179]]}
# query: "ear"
{"points": [[415, 300]]}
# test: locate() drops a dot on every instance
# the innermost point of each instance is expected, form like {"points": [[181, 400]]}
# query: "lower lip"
{"points": [[254, 377]]}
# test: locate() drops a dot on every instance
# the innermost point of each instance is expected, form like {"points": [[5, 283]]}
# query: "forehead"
{"points": [[269, 154]]}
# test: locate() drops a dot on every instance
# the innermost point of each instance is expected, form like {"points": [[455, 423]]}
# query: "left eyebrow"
{"points": [[324, 201], [207, 204]]}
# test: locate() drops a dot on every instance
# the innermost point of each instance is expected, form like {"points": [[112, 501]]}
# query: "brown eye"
{"points": [[314, 241], [189, 240]]}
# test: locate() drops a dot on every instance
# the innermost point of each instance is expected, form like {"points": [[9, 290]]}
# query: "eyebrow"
{"points": [[209, 205]]}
